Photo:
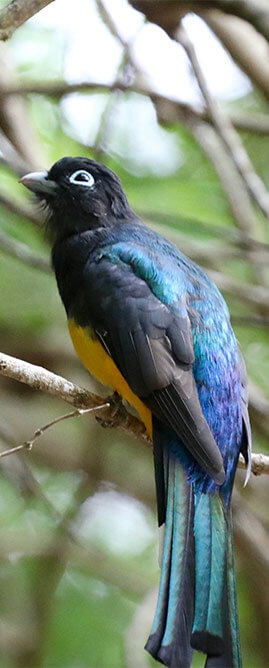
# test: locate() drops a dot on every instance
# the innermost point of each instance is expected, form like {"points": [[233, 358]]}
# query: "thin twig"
{"points": [[256, 123], [212, 145], [232, 183], [39, 378], [256, 296], [11, 157], [16, 13], [23, 210], [27, 445], [226, 131], [23, 253], [249, 321], [179, 221]]}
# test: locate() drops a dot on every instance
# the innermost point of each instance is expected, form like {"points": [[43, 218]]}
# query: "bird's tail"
{"points": [[197, 606], [215, 625]]}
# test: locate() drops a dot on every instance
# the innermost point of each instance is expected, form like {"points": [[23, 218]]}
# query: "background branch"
{"points": [[257, 123], [202, 203], [256, 12], [226, 131], [23, 253], [16, 13]]}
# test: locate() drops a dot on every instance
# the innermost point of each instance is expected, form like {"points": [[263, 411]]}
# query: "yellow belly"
{"points": [[100, 365]]}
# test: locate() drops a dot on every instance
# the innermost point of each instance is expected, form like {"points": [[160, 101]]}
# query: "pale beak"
{"points": [[39, 183]]}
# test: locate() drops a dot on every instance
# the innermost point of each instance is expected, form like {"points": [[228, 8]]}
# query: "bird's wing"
{"points": [[152, 347]]}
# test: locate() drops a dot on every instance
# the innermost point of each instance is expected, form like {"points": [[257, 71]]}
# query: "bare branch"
{"points": [[247, 47], [233, 186], [256, 123], [41, 379], [232, 182], [108, 19], [12, 158], [27, 445], [16, 13], [226, 131], [20, 209], [259, 463], [15, 123], [23, 253], [255, 12], [256, 296]]}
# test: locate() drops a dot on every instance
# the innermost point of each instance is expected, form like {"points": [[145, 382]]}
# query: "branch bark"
{"points": [[256, 123], [23, 253], [23, 210], [255, 12], [226, 131], [248, 48], [16, 13], [39, 378]]}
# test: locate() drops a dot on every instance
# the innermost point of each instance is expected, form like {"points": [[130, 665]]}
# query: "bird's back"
{"points": [[186, 290]]}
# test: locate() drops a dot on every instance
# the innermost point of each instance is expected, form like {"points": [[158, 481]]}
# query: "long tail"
{"points": [[197, 606]]}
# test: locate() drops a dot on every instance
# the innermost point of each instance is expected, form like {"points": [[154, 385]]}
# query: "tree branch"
{"points": [[16, 13], [256, 123], [247, 47], [39, 378], [23, 253], [255, 12], [259, 463], [226, 131], [20, 209], [27, 445], [257, 296]]}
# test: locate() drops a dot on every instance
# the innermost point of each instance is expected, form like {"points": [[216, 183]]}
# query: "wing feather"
{"points": [[152, 346]]}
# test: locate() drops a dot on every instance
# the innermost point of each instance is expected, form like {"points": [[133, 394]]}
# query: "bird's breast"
{"points": [[101, 366]]}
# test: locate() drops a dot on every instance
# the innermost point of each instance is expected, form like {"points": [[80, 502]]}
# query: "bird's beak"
{"points": [[39, 183]]}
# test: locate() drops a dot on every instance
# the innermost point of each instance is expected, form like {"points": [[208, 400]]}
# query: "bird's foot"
{"points": [[116, 409]]}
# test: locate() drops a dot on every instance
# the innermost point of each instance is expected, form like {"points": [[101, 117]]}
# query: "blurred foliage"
{"points": [[70, 587]]}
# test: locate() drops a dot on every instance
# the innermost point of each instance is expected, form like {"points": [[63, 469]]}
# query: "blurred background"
{"points": [[188, 133]]}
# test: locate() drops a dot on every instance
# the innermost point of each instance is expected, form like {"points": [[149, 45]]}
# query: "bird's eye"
{"points": [[82, 178]]}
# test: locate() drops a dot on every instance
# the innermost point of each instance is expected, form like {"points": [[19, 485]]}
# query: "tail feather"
{"points": [[215, 628], [232, 597], [176, 650], [169, 641], [158, 628], [210, 530], [197, 606]]}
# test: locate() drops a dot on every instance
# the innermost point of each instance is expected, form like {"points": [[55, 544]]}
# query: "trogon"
{"points": [[147, 321]]}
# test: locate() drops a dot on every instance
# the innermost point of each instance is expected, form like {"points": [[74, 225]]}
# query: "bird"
{"points": [[148, 322]]}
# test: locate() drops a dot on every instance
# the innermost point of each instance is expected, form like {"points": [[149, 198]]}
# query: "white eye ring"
{"points": [[88, 181]]}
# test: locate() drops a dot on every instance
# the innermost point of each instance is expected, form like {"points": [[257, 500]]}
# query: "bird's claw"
{"points": [[116, 408]]}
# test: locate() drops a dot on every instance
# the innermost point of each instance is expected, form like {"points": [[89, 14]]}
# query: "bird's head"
{"points": [[79, 194]]}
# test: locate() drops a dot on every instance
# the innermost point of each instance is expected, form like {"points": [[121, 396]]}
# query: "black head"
{"points": [[80, 194]]}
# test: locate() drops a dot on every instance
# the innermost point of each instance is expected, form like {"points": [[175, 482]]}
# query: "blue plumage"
{"points": [[167, 328], [180, 284], [197, 600]]}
